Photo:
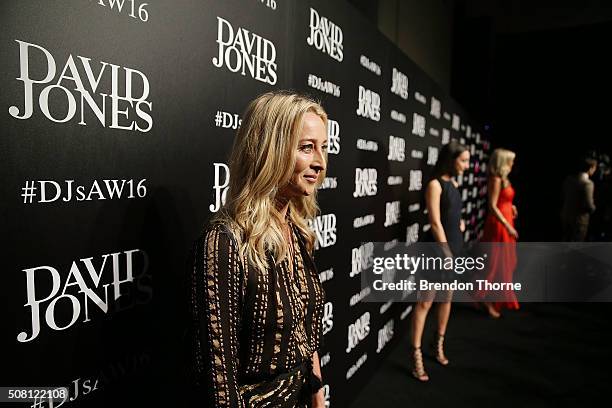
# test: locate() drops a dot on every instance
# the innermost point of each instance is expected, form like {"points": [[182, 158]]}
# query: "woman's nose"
{"points": [[318, 161]]}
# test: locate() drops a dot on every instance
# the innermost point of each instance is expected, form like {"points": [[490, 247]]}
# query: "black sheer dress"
{"points": [[254, 333]]}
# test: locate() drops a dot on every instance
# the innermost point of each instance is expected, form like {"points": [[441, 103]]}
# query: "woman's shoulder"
{"points": [[503, 182], [440, 185], [217, 238], [435, 183], [216, 227], [217, 231]]}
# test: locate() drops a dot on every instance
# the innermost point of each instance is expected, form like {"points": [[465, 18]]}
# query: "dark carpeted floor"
{"points": [[544, 355]]}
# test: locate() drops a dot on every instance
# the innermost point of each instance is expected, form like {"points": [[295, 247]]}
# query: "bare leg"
{"points": [[418, 322], [491, 310], [444, 310], [416, 334]]}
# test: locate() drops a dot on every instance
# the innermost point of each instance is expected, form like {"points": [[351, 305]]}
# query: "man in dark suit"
{"points": [[578, 203]]}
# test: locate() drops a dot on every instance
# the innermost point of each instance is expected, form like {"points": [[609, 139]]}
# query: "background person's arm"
{"points": [[589, 190]]}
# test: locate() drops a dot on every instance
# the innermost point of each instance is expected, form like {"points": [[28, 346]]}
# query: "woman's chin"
{"points": [[307, 191]]}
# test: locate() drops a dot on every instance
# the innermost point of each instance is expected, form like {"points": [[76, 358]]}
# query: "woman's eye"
{"points": [[306, 148], [324, 148]]}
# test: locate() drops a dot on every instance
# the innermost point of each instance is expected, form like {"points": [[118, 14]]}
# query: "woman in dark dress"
{"points": [[444, 211], [257, 300]]}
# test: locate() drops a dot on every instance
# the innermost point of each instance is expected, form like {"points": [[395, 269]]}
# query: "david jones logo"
{"points": [[369, 104], [324, 227], [80, 91], [241, 50], [366, 182], [105, 285], [325, 36]]}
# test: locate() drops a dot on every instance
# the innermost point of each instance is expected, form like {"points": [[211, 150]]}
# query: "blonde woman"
{"points": [[499, 227], [257, 300]]}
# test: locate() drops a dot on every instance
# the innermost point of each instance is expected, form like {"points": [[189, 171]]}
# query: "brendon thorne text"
{"points": [[423, 284]]}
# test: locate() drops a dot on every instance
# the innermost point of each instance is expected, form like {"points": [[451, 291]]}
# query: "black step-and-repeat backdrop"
{"points": [[118, 116]]}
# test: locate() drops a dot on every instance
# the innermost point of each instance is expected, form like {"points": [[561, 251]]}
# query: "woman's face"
{"points": [[462, 162], [310, 158], [510, 164]]}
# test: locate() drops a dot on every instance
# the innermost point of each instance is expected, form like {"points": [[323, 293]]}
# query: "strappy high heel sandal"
{"points": [[418, 370], [439, 349]]}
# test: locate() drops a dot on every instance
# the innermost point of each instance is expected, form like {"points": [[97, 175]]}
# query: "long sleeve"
{"points": [[216, 306], [314, 317]]}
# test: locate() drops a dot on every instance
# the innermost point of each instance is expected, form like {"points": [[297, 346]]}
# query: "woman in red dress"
{"points": [[499, 227]]}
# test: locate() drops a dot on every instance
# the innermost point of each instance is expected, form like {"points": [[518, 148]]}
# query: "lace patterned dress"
{"points": [[254, 333]]}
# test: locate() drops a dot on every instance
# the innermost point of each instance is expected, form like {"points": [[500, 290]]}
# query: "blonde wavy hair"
{"points": [[499, 163], [261, 164]]}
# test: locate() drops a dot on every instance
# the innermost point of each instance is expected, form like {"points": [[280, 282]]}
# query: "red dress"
{"points": [[501, 261]]}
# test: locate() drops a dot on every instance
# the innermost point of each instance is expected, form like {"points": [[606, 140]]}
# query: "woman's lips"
{"points": [[311, 178]]}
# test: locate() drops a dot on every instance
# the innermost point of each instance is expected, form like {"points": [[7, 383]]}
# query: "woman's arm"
{"points": [[318, 399], [432, 200], [494, 188], [216, 304]]}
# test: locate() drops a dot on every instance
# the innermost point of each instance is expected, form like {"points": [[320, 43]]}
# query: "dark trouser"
{"points": [[575, 231]]}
